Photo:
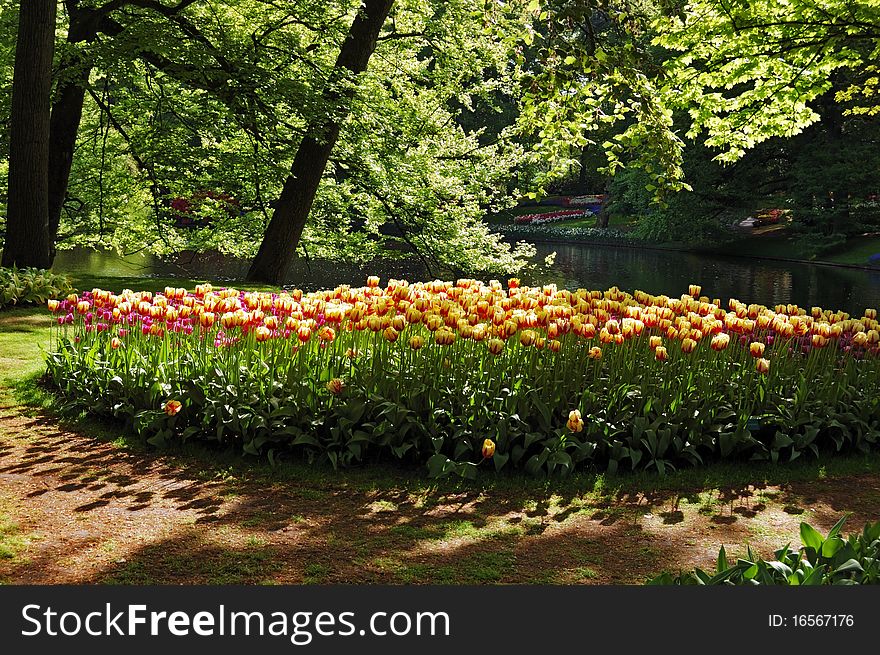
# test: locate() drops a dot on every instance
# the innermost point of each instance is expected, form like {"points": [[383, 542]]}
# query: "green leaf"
{"points": [[810, 537], [849, 566], [721, 564]]}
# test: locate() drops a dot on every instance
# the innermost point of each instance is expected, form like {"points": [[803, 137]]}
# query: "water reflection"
{"points": [[750, 280], [576, 265]]}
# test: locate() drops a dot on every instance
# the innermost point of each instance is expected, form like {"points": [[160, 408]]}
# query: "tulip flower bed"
{"points": [[463, 375], [551, 217]]}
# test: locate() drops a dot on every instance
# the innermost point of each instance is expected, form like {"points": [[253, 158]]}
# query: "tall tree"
{"points": [[27, 216], [298, 194], [85, 24]]}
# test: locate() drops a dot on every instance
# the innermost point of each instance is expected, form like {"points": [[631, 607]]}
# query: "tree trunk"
{"points": [[63, 129], [292, 210], [27, 215], [604, 214]]}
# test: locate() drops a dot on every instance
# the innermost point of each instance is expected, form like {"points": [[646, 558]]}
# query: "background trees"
{"points": [[177, 124]]}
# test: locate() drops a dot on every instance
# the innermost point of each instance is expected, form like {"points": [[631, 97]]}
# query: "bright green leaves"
{"points": [[22, 286], [748, 73], [821, 560]]}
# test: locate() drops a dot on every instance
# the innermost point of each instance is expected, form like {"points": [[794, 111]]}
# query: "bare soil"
{"points": [[81, 510]]}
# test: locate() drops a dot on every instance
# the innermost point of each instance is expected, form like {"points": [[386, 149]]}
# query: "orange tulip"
{"points": [[720, 341], [262, 333], [444, 337], [172, 407]]}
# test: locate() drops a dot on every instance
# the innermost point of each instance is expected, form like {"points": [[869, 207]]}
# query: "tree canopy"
{"points": [[176, 124]]}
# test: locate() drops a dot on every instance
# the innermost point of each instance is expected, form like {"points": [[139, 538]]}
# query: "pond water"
{"points": [[576, 265]]}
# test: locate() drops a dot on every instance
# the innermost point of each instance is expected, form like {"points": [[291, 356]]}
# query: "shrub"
{"points": [[22, 286], [833, 559]]}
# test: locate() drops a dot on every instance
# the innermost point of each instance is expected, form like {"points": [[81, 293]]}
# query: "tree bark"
{"points": [[604, 214], [27, 216], [63, 129], [292, 209]]}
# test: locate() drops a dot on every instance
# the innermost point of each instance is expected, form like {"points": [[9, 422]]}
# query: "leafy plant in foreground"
{"points": [[833, 559], [21, 286]]}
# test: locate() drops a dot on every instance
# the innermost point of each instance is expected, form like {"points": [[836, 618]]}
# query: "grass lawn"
{"points": [[780, 243], [81, 502], [856, 250]]}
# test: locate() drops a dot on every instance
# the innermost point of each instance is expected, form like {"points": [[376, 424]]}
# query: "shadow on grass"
{"points": [[212, 516]]}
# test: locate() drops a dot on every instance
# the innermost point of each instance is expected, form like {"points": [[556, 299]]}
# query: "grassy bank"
{"points": [[80, 501]]}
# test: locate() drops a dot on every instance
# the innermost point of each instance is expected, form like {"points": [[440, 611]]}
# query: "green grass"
{"points": [[209, 566], [509, 215], [12, 541], [781, 244], [855, 251], [395, 496]]}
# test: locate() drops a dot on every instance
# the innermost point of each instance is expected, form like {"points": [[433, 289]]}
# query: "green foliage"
{"points": [[214, 100], [590, 80], [829, 560], [748, 71], [22, 286]]}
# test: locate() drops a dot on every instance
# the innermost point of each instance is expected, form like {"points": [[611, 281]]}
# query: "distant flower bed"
{"points": [[593, 201], [562, 233], [551, 217], [467, 374]]}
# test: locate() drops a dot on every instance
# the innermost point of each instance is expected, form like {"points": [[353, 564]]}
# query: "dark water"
{"points": [[577, 265], [761, 281]]}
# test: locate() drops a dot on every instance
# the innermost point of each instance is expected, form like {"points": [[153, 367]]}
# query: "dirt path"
{"points": [[81, 510]]}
